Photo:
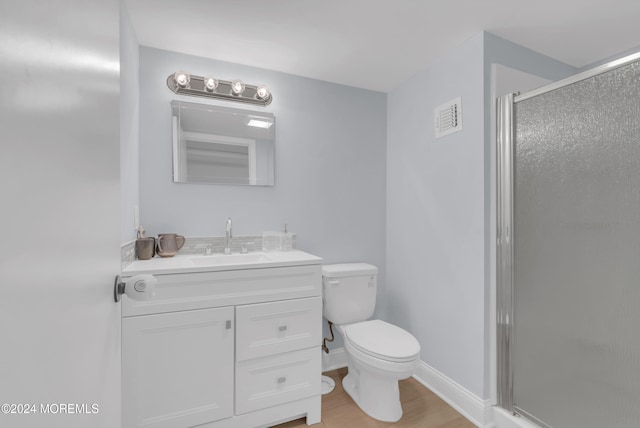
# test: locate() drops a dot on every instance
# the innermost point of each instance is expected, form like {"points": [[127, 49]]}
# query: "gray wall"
{"points": [[435, 216], [330, 164], [438, 195], [129, 123]]}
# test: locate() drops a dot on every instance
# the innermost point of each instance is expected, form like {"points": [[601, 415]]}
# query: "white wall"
{"points": [[330, 164], [129, 124]]}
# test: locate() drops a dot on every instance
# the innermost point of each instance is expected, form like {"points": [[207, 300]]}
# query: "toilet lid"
{"points": [[383, 340]]}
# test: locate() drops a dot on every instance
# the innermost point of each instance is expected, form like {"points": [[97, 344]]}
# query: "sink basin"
{"points": [[231, 259]]}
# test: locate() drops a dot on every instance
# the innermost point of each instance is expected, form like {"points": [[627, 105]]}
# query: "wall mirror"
{"points": [[222, 145]]}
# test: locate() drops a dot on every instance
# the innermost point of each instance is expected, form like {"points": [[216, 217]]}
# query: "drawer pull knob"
{"points": [[282, 379], [282, 328]]}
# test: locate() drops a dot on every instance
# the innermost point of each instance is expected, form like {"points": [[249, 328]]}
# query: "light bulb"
{"points": [[262, 93], [210, 84], [182, 79], [237, 87]]}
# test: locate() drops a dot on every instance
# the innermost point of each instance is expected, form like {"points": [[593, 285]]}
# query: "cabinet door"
{"points": [[177, 368]]}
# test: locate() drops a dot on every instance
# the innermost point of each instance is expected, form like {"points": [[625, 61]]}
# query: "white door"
{"points": [[177, 368], [59, 210]]}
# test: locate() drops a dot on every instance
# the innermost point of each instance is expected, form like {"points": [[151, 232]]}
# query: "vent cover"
{"points": [[448, 118]]}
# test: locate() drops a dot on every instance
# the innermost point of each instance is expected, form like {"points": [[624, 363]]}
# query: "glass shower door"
{"points": [[575, 339]]}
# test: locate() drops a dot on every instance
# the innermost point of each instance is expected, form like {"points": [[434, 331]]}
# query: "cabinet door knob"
{"points": [[282, 379], [282, 328], [228, 325]]}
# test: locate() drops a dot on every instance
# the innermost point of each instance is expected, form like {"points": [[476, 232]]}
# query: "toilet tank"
{"points": [[349, 292]]}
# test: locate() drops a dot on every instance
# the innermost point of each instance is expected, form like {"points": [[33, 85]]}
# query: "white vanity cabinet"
{"points": [[225, 348]]}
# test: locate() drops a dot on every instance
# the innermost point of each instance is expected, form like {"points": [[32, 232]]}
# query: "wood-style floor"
{"points": [[421, 409]]}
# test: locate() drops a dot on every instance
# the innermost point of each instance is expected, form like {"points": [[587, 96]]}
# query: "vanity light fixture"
{"points": [[236, 90], [262, 92], [237, 87], [182, 79], [210, 84]]}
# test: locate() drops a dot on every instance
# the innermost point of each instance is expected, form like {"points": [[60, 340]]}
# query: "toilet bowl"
{"points": [[379, 354]]}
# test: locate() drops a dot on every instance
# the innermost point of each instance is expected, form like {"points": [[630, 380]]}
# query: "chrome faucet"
{"points": [[227, 237]]}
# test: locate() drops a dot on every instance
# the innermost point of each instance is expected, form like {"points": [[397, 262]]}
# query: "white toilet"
{"points": [[379, 354]]}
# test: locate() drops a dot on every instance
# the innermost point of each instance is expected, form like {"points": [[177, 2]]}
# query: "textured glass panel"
{"points": [[576, 353]]}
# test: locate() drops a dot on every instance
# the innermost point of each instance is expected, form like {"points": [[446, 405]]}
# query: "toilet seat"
{"points": [[382, 340]]}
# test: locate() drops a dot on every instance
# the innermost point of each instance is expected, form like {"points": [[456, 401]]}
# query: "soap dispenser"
{"points": [[286, 242]]}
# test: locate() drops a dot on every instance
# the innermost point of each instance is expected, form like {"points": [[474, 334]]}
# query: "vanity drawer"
{"points": [[277, 379], [272, 328]]}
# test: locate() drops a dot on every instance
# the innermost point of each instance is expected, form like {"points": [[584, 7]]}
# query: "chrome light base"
{"points": [[223, 91]]}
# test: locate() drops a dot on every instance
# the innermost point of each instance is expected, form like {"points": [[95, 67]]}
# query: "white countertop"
{"points": [[220, 262]]}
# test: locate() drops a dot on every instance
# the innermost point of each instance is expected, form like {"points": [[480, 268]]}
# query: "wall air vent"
{"points": [[448, 118]]}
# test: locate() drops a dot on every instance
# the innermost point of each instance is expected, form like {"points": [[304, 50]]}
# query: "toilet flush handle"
{"points": [[333, 282]]}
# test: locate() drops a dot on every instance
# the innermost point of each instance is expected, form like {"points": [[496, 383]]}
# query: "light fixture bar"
{"points": [[223, 91]]}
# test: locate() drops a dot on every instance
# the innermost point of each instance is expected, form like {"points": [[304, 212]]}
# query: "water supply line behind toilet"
{"points": [[326, 339], [327, 383]]}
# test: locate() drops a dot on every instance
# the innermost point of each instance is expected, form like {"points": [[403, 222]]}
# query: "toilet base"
{"points": [[378, 397]]}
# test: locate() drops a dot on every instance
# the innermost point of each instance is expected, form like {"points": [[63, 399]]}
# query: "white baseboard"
{"points": [[335, 359], [472, 407]]}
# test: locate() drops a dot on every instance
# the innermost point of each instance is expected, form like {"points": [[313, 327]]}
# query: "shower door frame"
{"points": [[504, 280]]}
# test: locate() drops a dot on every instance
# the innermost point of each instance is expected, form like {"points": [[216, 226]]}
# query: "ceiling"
{"points": [[377, 44]]}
